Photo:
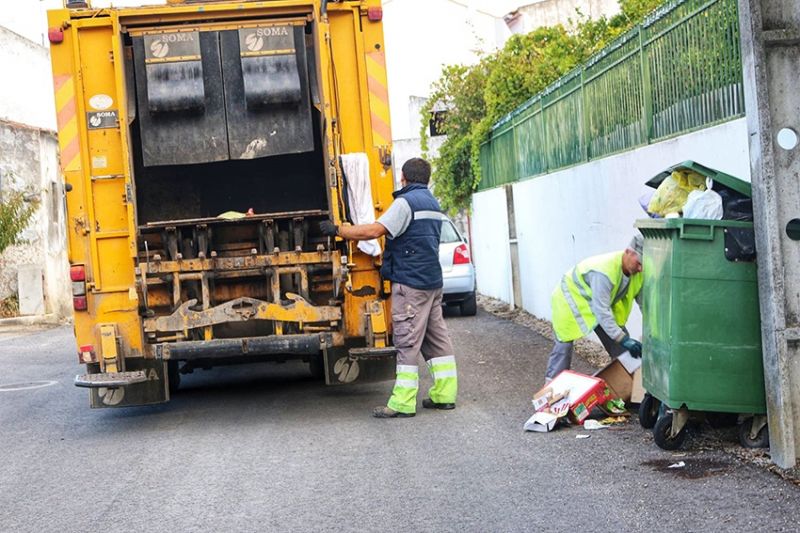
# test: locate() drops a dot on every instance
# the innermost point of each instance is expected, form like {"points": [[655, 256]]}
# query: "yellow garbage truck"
{"points": [[202, 142]]}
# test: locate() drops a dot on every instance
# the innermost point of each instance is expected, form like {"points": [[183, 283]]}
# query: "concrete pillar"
{"points": [[770, 38]]}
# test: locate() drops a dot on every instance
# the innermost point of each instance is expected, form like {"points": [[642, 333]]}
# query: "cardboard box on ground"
{"points": [[624, 377], [574, 395], [569, 394]]}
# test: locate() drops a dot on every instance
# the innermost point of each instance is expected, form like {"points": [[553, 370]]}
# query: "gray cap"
{"points": [[636, 244]]}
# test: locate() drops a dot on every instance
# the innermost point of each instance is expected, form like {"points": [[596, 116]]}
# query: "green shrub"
{"points": [[15, 214]]}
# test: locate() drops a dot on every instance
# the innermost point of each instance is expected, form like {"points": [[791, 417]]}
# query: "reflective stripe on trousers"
{"points": [[445, 379], [404, 393]]}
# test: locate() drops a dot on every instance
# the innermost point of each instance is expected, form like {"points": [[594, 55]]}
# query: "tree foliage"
{"points": [[15, 214], [477, 96]]}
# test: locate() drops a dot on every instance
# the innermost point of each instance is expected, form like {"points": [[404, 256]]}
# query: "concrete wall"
{"points": [[551, 12], [490, 247], [29, 163], [585, 210]]}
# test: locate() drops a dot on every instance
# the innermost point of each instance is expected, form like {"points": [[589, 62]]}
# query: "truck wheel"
{"points": [[661, 434], [173, 376], [648, 411], [761, 440], [469, 307]]}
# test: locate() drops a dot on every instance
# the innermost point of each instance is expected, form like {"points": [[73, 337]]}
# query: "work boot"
{"points": [[384, 412], [427, 403]]}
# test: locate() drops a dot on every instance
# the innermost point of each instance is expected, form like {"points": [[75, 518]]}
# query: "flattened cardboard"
{"points": [[541, 422]]}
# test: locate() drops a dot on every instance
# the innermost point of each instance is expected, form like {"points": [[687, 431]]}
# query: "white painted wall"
{"points": [[26, 94], [490, 249], [585, 210]]}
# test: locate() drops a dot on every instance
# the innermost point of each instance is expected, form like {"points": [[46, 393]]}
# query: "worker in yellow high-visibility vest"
{"points": [[597, 295]]}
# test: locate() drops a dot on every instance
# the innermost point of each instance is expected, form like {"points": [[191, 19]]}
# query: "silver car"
{"points": [[457, 269]]}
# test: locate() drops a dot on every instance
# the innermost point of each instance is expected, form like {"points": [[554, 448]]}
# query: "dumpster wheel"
{"points": [[753, 432], [664, 435], [648, 411]]}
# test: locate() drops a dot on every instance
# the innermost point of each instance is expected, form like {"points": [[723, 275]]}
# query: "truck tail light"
{"points": [[375, 14], [77, 273], [461, 255], [55, 35]]}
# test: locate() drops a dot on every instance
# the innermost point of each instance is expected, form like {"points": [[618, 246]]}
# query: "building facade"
{"points": [[541, 13], [35, 271]]}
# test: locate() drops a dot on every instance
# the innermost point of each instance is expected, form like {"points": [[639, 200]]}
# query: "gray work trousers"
{"points": [[561, 356], [418, 324]]}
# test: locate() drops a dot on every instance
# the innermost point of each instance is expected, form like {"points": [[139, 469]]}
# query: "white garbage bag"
{"points": [[706, 204]]}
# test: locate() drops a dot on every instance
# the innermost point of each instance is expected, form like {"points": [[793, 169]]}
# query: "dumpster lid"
{"points": [[720, 178]]}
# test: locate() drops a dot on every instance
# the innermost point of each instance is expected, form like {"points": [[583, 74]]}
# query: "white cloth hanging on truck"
{"points": [[359, 195]]}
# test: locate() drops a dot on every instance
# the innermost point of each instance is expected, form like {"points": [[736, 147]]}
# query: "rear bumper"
{"points": [[248, 346], [459, 280]]}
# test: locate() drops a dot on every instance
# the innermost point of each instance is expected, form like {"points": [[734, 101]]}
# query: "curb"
{"points": [[37, 320]]}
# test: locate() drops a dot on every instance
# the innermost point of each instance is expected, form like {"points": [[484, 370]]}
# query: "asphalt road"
{"points": [[265, 448]]}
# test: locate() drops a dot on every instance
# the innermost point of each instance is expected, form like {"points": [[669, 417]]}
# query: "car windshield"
{"points": [[449, 233]]}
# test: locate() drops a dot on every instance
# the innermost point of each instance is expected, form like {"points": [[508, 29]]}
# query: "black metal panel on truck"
{"points": [[180, 98], [266, 91]]}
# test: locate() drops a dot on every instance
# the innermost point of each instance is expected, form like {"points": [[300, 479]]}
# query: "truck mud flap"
{"points": [[152, 390], [359, 365], [179, 90], [267, 99]]}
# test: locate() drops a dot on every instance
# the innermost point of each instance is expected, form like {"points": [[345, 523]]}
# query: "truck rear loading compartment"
{"points": [[228, 348], [225, 118]]}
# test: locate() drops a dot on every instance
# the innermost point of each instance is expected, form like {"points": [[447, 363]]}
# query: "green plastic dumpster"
{"points": [[701, 320]]}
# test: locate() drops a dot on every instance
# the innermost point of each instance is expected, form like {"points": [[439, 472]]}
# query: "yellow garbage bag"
{"points": [[671, 195]]}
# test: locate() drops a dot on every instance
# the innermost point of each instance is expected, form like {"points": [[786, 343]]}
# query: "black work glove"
{"points": [[328, 228], [633, 346]]}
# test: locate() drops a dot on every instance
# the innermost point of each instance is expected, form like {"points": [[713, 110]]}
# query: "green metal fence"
{"points": [[678, 71]]}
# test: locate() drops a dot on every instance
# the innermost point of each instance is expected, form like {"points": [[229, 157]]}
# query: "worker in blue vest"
{"points": [[412, 225]]}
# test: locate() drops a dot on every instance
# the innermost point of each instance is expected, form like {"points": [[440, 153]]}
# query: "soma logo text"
{"points": [[272, 31]]}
